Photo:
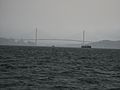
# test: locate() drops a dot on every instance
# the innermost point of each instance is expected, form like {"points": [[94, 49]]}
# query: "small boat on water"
{"points": [[86, 46]]}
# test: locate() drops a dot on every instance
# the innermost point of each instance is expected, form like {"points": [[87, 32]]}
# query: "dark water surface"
{"points": [[46, 68]]}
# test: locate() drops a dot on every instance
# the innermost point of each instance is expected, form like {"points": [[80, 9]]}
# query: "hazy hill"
{"points": [[106, 44], [98, 44], [101, 44], [6, 41]]}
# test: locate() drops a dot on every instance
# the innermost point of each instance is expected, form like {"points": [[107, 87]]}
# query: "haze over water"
{"points": [[60, 19]]}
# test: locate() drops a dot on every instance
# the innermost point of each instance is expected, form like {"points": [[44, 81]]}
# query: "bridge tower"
{"points": [[83, 37], [36, 37], [83, 44]]}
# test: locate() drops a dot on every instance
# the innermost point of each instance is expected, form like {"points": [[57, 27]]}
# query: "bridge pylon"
{"points": [[36, 37]]}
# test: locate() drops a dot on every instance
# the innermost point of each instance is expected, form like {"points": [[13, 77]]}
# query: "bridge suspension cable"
{"points": [[57, 40], [38, 39]]}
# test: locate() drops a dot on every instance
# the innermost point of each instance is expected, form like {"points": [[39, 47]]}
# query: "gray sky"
{"points": [[60, 19]]}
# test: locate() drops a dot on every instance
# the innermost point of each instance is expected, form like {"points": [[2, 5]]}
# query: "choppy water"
{"points": [[45, 68]]}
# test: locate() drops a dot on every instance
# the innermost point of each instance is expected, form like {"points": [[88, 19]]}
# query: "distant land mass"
{"points": [[20, 42], [108, 44]]}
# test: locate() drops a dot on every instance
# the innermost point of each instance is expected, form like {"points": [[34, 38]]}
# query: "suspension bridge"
{"points": [[36, 39]]}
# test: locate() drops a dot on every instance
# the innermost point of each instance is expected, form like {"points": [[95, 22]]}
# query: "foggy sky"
{"points": [[60, 19]]}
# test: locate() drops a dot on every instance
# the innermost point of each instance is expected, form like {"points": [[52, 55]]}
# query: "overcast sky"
{"points": [[60, 19]]}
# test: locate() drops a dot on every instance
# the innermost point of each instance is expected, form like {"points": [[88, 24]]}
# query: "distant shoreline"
{"points": [[55, 47]]}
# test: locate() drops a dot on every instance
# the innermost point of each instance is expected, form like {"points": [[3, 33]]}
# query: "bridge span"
{"points": [[36, 39], [67, 40], [57, 40]]}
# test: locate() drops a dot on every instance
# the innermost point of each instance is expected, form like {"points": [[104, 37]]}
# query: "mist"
{"points": [[62, 19]]}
